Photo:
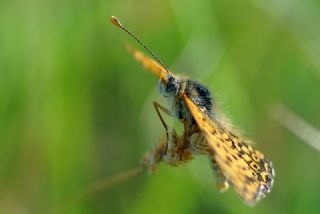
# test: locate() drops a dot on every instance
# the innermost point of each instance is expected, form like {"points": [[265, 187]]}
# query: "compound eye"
{"points": [[172, 86]]}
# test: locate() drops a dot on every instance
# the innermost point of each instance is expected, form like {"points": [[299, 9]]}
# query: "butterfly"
{"points": [[232, 158]]}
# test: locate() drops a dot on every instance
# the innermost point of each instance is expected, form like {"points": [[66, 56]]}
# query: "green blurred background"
{"points": [[76, 108]]}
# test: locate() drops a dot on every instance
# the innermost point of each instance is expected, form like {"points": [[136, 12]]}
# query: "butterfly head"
{"points": [[169, 86]]}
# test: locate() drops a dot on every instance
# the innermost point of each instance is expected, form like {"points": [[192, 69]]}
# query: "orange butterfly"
{"points": [[234, 161]]}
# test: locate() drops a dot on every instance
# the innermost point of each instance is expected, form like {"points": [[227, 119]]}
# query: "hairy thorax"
{"points": [[174, 89]]}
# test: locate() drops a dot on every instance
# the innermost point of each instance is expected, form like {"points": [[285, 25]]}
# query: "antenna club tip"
{"points": [[115, 21]]}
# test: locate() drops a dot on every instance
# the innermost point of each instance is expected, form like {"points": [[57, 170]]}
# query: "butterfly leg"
{"points": [[221, 183], [159, 107], [170, 150], [177, 150], [153, 157]]}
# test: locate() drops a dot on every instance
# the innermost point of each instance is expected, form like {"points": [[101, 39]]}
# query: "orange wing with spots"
{"points": [[246, 169]]}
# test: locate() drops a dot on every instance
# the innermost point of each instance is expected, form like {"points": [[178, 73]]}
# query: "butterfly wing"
{"points": [[149, 64], [246, 169]]}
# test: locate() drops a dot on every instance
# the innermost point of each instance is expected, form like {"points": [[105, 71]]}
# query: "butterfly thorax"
{"points": [[173, 90]]}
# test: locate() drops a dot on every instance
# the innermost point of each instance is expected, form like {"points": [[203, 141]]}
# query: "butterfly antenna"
{"points": [[117, 23]]}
